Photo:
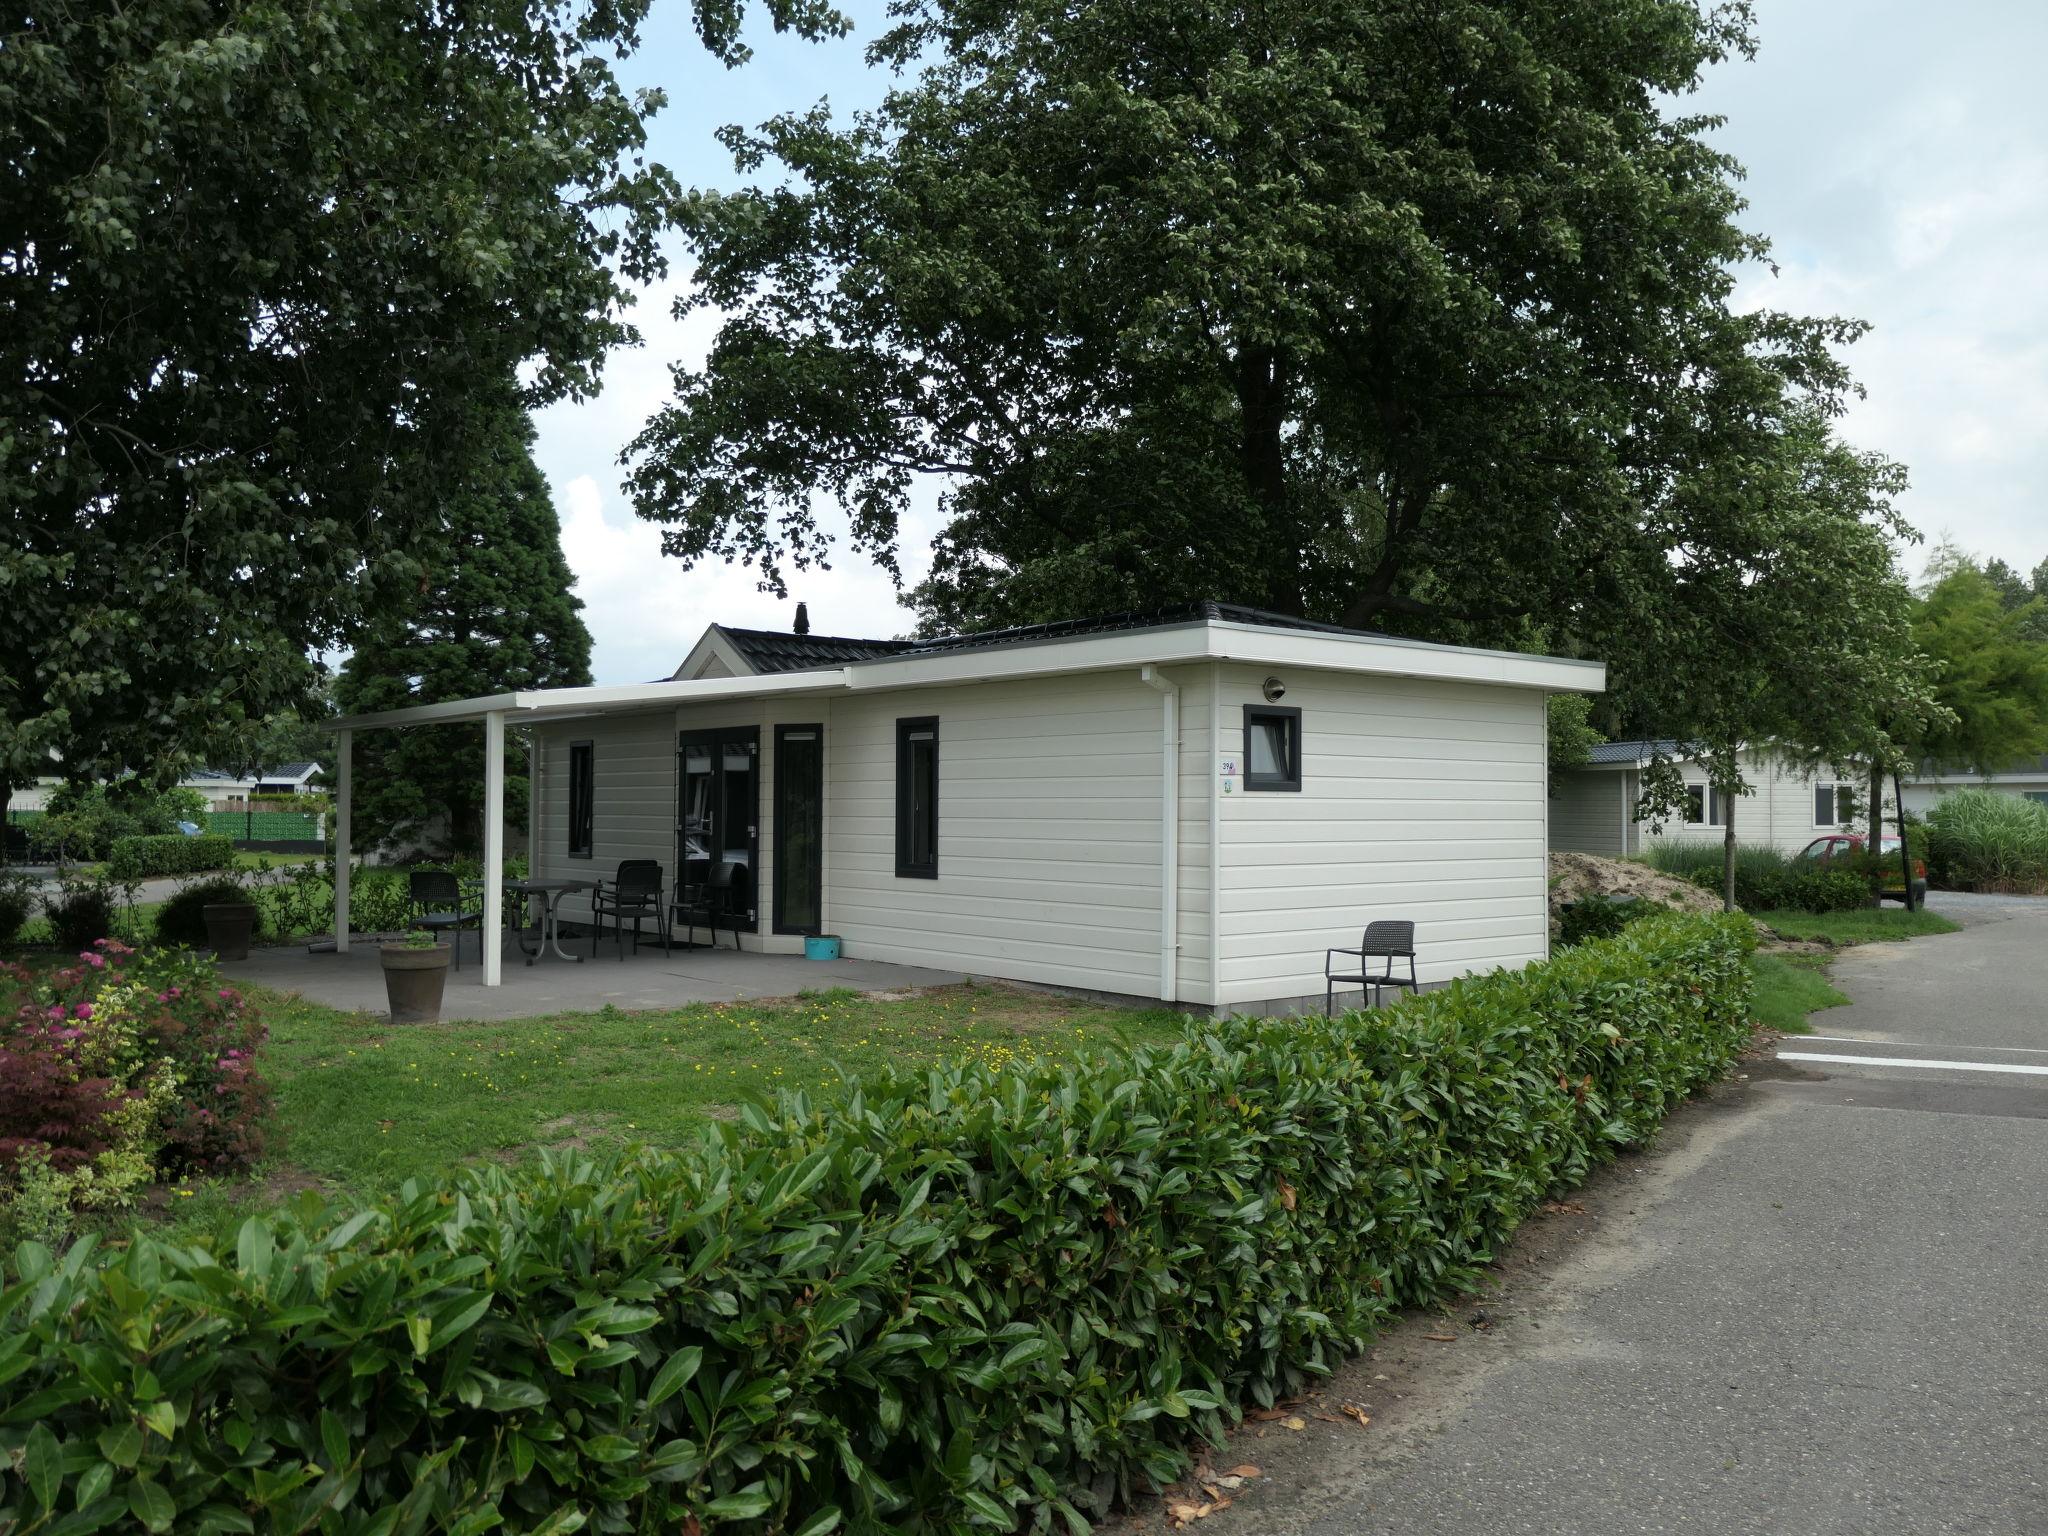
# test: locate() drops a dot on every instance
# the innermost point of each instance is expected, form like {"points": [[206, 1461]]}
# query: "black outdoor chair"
{"points": [[436, 897], [636, 891], [1386, 941], [714, 900]]}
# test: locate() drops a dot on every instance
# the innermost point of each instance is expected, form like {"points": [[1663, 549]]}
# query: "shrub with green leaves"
{"points": [[1979, 839], [954, 1299], [141, 858], [182, 917], [1595, 916]]}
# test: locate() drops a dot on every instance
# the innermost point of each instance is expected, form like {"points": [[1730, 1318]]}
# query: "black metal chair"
{"points": [[637, 891], [1388, 940], [436, 897], [715, 898]]}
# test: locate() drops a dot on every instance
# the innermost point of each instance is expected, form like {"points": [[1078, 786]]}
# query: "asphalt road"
{"points": [[1821, 1306]]}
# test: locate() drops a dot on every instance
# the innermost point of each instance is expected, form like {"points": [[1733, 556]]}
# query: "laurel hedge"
{"points": [[141, 858], [946, 1301]]}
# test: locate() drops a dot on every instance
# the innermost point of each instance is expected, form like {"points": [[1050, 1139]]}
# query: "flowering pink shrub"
{"points": [[123, 1068]]}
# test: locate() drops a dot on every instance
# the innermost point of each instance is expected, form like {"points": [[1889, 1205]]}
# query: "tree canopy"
{"points": [[253, 260], [1990, 670], [1386, 314], [493, 613]]}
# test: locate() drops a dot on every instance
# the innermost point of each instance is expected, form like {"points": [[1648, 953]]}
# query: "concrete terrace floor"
{"points": [[355, 981]]}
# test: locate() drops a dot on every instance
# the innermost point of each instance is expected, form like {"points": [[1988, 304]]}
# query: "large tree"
{"points": [[1991, 671], [493, 613], [1384, 313], [253, 259]]}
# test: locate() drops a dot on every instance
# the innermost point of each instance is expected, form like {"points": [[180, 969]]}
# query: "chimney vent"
{"points": [[803, 618]]}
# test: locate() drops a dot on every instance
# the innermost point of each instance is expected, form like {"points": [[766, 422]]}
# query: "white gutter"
{"points": [[1169, 831]]}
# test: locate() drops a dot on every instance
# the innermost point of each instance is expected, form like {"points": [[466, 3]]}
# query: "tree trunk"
{"points": [[1876, 843], [1905, 851], [1727, 849]]}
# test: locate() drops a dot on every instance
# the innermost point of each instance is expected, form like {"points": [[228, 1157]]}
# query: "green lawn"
{"points": [[363, 1103], [1788, 988], [1865, 925]]}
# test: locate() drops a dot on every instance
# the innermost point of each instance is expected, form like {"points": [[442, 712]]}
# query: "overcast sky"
{"points": [[1898, 160]]}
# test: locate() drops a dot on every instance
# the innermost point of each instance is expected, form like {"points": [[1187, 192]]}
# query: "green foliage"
{"points": [[1991, 672], [87, 820], [1236, 303], [17, 901], [1571, 735], [1978, 839], [954, 1298], [259, 258], [174, 854], [1863, 925], [1764, 877], [82, 911], [182, 917], [494, 614], [1599, 917]]}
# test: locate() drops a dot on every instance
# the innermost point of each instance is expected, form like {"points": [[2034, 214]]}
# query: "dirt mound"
{"points": [[1577, 875]]}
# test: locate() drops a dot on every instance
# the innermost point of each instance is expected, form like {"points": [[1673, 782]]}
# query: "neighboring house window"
{"points": [[2038, 796], [1834, 805], [1272, 747], [582, 799], [1704, 807], [917, 798]]}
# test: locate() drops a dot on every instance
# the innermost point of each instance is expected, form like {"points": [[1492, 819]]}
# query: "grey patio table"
{"points": [[550, 893]]}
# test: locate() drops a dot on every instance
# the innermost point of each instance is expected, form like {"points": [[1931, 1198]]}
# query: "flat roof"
{"points": [[1211, 632]]}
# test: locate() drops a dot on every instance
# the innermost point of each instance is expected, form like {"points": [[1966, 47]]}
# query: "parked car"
{"points": [[1844, 847]]}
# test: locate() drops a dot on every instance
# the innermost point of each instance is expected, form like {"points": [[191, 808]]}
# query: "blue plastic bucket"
{"points": [[821, 946]]}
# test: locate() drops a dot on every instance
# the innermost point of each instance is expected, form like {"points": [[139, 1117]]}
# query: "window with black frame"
{"points": [[917, 798], [1272, 747], [582, 799]]}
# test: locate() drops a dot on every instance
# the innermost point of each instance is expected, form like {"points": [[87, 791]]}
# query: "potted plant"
{"points": [[415, 971], [231, 921]]}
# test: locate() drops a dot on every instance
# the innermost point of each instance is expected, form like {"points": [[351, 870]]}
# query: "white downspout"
{"points": [[493, 942], [1210, 777], [1169, 831], [344, 790]]}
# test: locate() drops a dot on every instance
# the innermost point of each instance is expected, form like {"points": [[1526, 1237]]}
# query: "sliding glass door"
{"points": [[718, 818]]}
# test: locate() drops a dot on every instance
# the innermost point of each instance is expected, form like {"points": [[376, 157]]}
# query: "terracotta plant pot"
{"points": [[229, 926], [413, 979]]}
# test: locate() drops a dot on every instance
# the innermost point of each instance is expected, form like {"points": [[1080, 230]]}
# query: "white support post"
{"points": [[533, 794], [494, 845], [344, 784]]}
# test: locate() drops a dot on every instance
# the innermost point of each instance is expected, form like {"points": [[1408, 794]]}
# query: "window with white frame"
{"points": [[1704, 807], [1834, 805]]}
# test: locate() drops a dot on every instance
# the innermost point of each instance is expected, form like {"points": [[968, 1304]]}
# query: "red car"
{"points": [[1841, 847]]}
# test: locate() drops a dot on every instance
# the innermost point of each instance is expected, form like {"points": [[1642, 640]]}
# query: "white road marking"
{"points": [[1914, 1061], [1914, 1045]]}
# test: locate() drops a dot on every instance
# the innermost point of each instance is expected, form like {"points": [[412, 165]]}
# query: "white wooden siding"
{"points": [[1420, 800], [1048, 852], [1588, 814], [633, 774]]}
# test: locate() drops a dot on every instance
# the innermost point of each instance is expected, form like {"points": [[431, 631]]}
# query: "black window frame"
{"points": [[1284, 782], [778, 921], [583, 799], [906, 867]]}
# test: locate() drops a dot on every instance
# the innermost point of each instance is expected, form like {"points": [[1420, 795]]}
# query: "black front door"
{"points": [[799, 828], [718, 816]]}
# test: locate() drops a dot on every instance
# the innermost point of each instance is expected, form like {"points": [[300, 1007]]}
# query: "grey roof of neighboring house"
{"points": [[770, 651], [1608, 753]]}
